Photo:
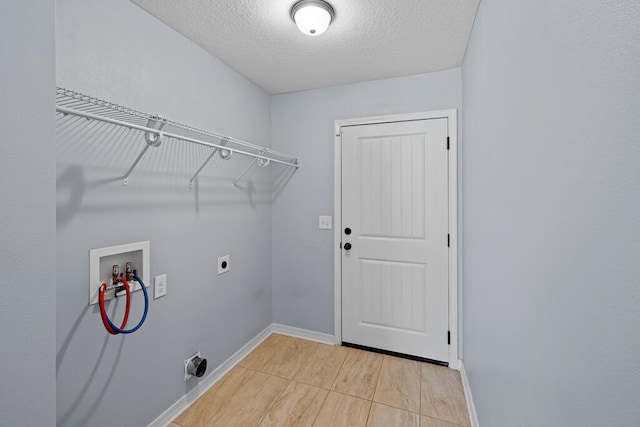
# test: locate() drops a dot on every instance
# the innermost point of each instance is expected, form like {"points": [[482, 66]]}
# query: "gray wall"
{"points": [[551, 99], [27, 225], [302, 123], [116, 51]]}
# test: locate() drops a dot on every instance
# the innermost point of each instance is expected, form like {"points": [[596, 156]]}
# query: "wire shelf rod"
{"points": [[65, 110], [78, 101]]}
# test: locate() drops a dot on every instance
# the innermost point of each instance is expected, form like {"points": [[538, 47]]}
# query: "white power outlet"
{"points": [[223, 264], [160, 286]]}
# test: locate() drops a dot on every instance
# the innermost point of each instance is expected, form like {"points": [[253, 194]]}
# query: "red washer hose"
{"points": [[103, 312]]}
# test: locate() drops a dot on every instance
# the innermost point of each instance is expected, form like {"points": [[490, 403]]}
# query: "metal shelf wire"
{"points": [[156, 128]]}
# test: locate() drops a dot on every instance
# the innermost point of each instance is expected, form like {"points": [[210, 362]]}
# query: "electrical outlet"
{"points": [[160, 286], [325, 222], [223, 264]]}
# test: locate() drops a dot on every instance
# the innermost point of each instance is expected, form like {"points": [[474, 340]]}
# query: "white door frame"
{"points": [[451, 116]]}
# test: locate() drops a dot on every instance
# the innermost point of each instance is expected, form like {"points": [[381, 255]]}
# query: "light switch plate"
{"points": [[325, 222], [160, 286]]}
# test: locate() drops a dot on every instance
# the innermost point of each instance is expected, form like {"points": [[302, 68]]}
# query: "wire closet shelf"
{"points": [[157, 128]]}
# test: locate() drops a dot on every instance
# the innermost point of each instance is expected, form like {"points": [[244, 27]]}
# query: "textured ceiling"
{"points": [[368, 39]]}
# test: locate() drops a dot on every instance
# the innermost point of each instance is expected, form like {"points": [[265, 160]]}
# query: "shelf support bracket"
{"points": [[153, 139], [235, 183], [262, 162], [195, 175], [223, 143]]}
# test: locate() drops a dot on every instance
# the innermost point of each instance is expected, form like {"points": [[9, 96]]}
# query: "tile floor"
{"points": [[289, 381]]}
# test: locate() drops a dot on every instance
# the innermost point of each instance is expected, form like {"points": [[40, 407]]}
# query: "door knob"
{"points": [[347, 246]]}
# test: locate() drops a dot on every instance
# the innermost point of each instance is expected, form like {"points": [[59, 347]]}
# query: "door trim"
{"points": [[451, 116]]}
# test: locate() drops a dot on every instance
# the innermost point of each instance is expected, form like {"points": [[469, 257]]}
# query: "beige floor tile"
{"points": [[290, 358], [245, 397], [340, 410], [399, 384], [250, 402], [359, 374], [261, 355], [386, 416], [298, 406], [206, 406], [322, 366], [279, 355], [434, 422], [442, 395]]}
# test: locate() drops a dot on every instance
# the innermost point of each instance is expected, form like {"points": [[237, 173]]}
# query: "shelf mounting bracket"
{"points": [[235, 183], [263, 162], [153, 139], [223, 142]]}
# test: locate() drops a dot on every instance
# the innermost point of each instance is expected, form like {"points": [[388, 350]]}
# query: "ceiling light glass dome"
{"points": [[312, 16]]}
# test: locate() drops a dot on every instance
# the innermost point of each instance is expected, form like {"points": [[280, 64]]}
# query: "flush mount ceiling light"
{"points": [[312, 16]]}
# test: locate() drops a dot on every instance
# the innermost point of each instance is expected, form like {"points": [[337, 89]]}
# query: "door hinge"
{"points": [[448, 240], [448, 337], [447, 143]]}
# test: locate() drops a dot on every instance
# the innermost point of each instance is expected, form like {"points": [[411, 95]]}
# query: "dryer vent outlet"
{"points": [[195, 366]]}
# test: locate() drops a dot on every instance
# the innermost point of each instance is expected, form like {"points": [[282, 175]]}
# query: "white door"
{"points": [[395, 237]]}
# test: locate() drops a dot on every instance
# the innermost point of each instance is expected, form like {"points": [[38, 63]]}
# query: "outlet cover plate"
{"points": [[160, 286], [223, 264]]}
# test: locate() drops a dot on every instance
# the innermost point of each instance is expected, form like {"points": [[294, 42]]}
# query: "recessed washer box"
{"points": [[102, 260]]}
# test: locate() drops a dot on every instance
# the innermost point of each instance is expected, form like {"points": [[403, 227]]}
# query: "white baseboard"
{"points": [[306, 334], [473, 416], [167, 417], [185, 401]]}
